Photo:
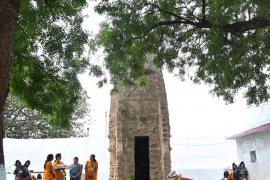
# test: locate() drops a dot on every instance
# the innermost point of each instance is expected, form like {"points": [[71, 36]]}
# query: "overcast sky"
{"points": [[193, 111]]}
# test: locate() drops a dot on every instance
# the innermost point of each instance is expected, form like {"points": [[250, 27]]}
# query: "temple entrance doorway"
{"points": [[141, 156]]}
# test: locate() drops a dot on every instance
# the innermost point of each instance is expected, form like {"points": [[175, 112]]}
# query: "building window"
{"points": [[253, 156]]}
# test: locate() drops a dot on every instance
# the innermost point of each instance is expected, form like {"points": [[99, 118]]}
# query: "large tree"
{"points": [[20, 122], [223, 43], [41, 52], [8, 13]]}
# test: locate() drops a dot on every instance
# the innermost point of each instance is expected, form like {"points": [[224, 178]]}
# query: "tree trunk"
{"points": [[8, 16]]}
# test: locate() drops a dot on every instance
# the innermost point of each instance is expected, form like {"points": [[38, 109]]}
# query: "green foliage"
{"points": [[22, 123], [224, 43], [48, 55]]}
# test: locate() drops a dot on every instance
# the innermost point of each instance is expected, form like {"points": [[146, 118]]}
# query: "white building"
{"points": [[253, 147]]}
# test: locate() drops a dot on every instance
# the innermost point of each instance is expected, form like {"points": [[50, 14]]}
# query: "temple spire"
{"points": [[139, 130]]}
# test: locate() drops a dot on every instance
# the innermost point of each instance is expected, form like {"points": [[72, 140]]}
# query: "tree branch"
{"points": [[162, 23], [234, 28], [243, 26], [201, 24], [168, 12], [203, 10]]}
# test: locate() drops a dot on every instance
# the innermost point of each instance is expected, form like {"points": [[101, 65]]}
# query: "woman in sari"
{"points": [[75, 170], [48, 168], [59, 168], [91, 168]]}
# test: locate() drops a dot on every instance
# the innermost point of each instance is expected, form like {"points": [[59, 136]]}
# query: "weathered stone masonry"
{"points": [[140, 111]]}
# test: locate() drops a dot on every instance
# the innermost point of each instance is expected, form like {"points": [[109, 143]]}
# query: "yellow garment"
{"points": [[175, 177], [59, 174], [91, 169], [47, 173]]}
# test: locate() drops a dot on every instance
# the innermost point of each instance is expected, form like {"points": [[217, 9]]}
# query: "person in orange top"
{"points": [[48, 168], [59, 168], [34, 178], [173, 176], [91, 168]]}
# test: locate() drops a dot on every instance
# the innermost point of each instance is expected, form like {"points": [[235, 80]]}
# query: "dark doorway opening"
{"points": [[142, 170]]}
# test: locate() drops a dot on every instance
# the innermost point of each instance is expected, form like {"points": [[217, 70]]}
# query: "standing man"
{"points": [[75, 170], [91, 168]]}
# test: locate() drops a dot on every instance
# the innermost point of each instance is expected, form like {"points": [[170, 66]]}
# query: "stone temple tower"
{"points": [[139, 131]]}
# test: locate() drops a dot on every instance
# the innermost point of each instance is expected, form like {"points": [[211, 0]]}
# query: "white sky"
{"points": [[193, 111]]}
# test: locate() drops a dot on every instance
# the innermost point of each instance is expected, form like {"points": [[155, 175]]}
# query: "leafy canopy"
{"points": [[47, 56], [22, 123], [224, 43]]}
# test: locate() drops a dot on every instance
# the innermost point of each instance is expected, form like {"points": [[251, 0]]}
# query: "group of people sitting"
{"points": [[56, 170]]}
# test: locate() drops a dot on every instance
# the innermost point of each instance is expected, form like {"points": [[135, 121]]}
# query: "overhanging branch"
{"points": [[244, 26], [234, 28]]}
